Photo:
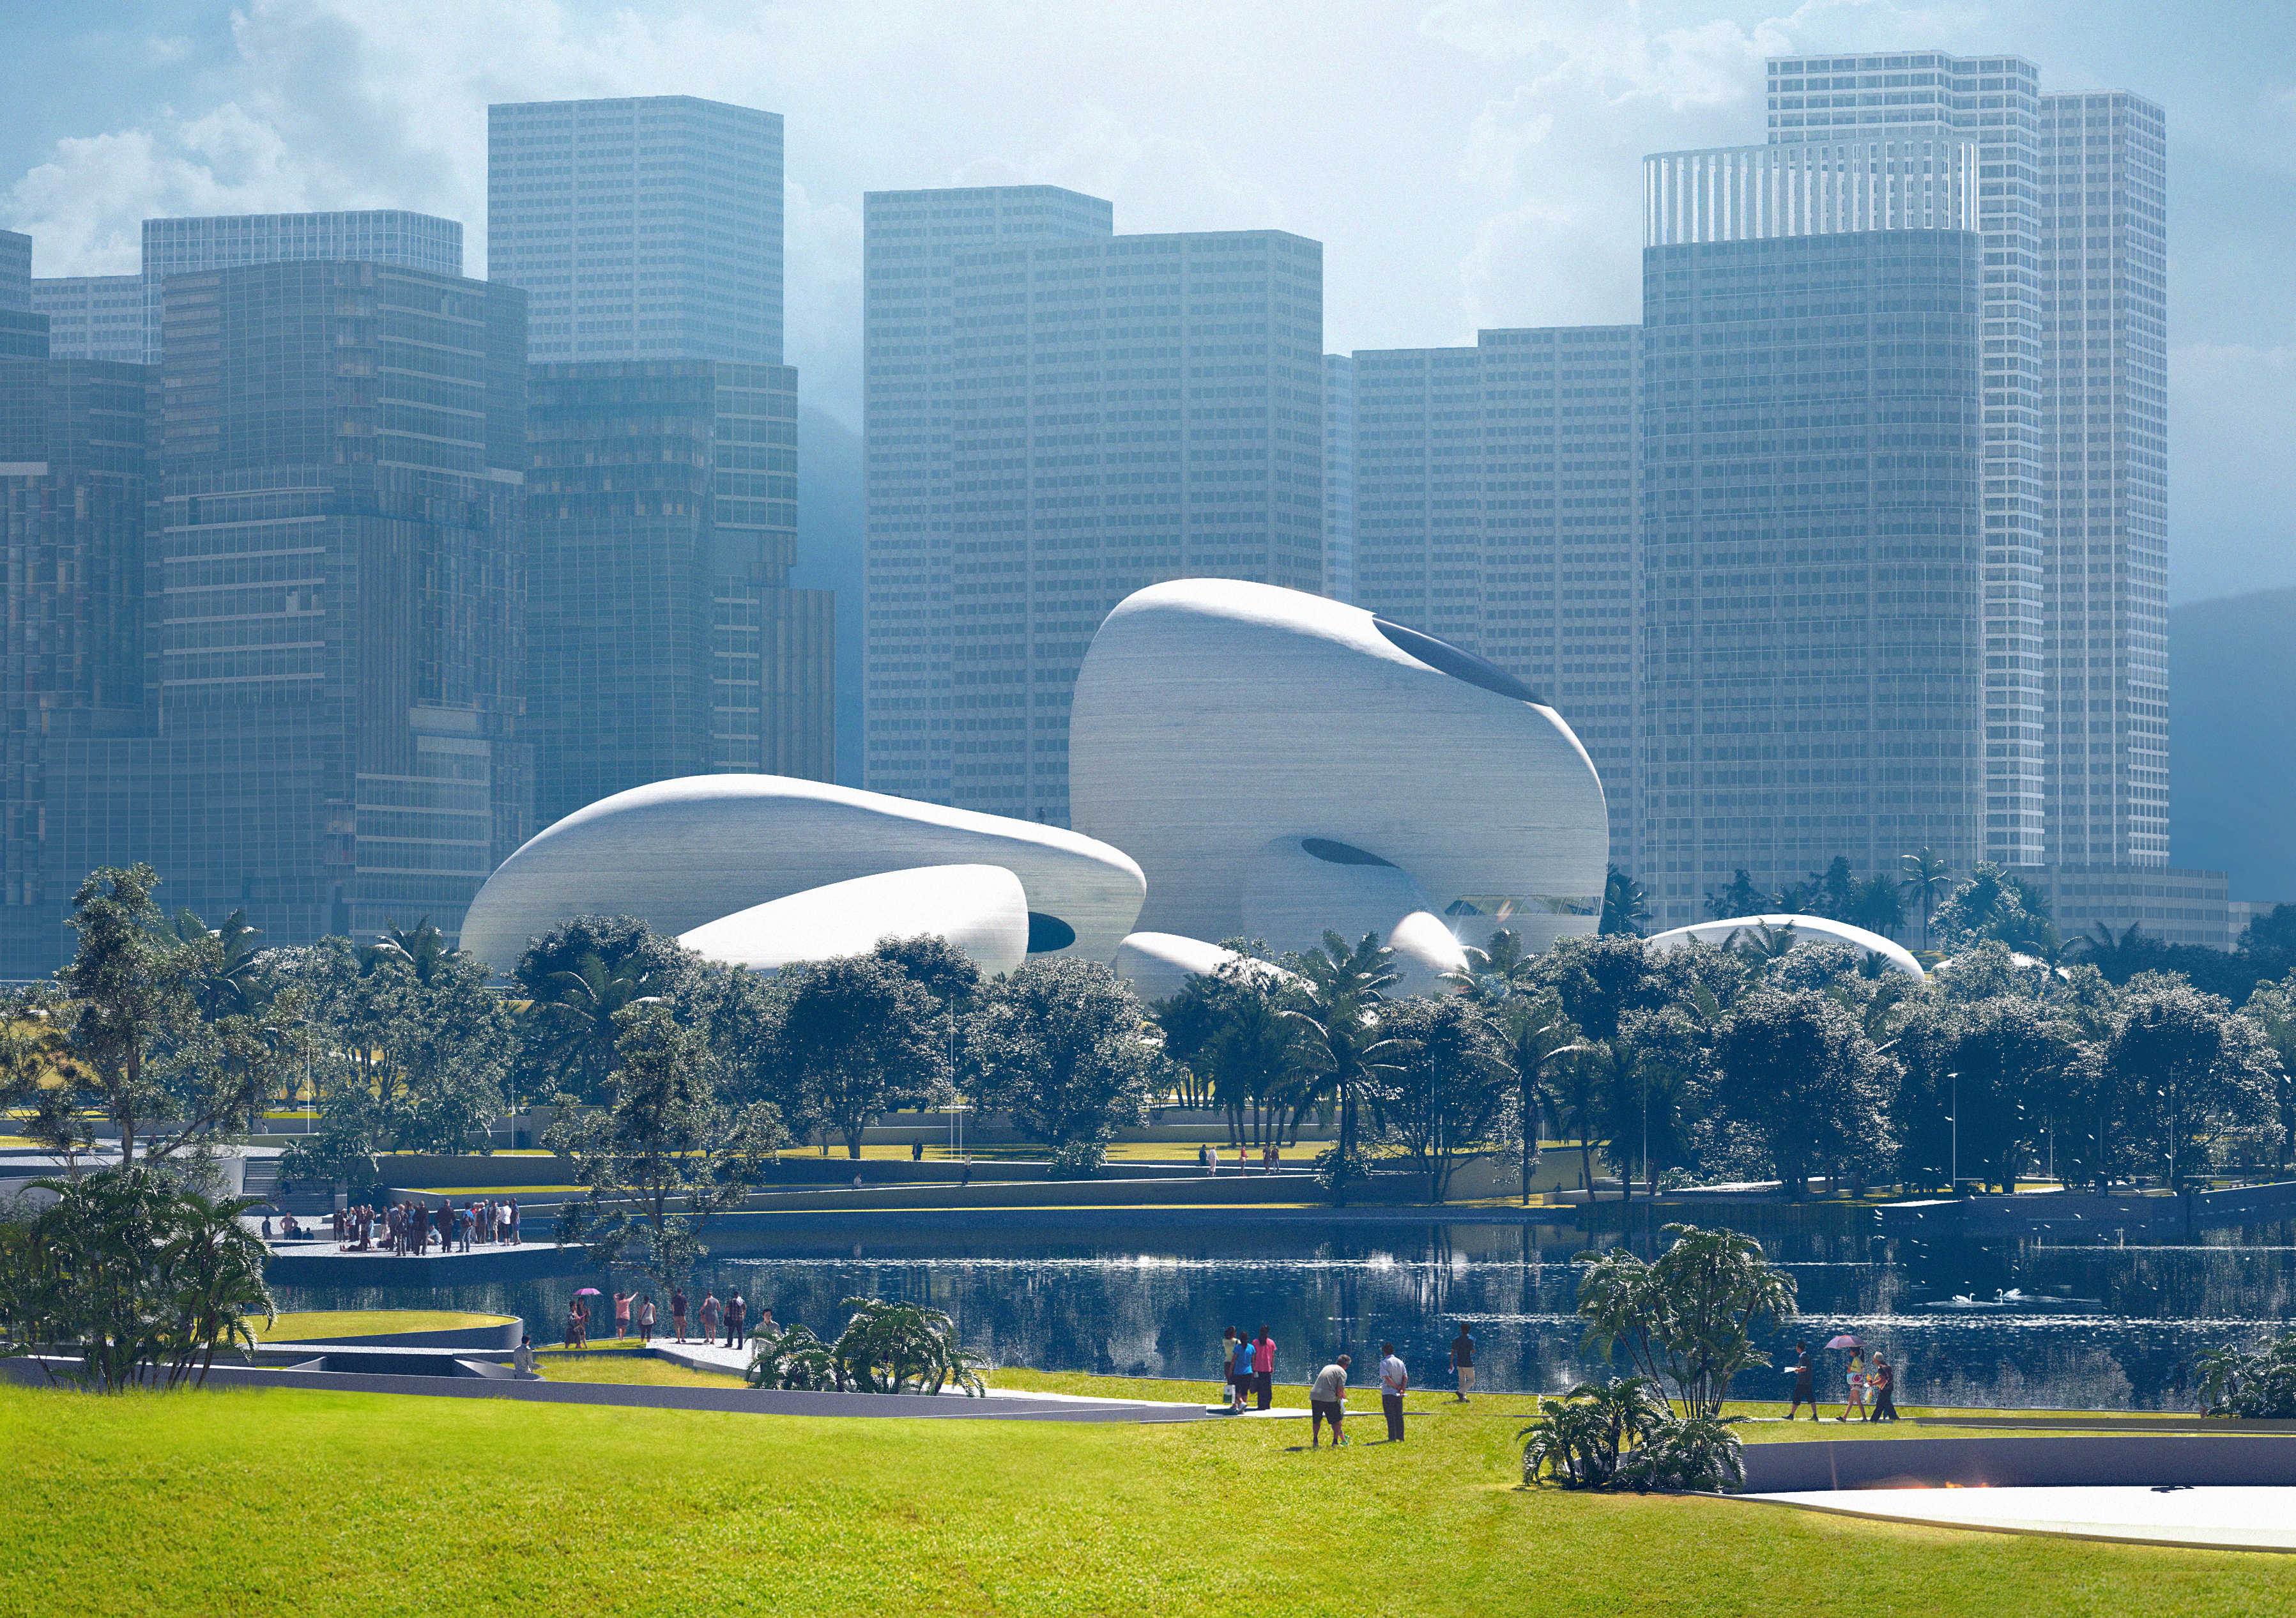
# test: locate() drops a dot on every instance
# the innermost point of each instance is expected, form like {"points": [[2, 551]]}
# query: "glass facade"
{"points": [[324, 598], [908, 239], [1812, 569], [374, 236], [1495, 506], [15, 270], [1123, 411], [94, 316], [1340, 477], [642, 228]]}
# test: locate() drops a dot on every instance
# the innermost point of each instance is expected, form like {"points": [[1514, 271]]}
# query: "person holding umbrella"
{"points": [[578, 1318], [1855, 1400]]}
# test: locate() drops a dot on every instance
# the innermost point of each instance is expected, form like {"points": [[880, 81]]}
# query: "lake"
{"points": [[1149, 1298]]}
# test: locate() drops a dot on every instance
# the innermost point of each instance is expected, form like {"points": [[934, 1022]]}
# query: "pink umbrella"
{"points": [[592, 1292], [1844, 1340]]}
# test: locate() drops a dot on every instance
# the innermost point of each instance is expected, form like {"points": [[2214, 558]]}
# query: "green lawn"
{"points": [[345, 1325], [211, 1502]]}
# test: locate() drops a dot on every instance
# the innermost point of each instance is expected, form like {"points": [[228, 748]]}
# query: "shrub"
{"points": [[795, 1359], [2260, 1385], [1622, 1434]]}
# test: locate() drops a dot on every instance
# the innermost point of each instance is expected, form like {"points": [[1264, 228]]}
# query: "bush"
{"points": [[1622, 1434], [2260, 1386], [796, 1359], [885, 1348]]}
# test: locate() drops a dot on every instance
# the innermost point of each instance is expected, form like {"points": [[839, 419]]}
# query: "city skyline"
{"points": [[1492, 206]]}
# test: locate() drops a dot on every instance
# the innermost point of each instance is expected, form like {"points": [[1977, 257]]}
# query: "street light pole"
{"points": [[1954, 1118]]}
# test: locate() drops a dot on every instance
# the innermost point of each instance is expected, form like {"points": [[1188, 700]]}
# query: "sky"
{"points": [[1465, 163]]}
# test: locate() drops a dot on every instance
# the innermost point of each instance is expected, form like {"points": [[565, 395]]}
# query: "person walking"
{"points": [[737, 1318], [1393, 1382], [512, 1204], [1885, 1390], [577, 1324], [1805, 1382], [1263, 1369], [1232, 1345], [646, 1320], [1463, 1363], [622, 1314], [712, 1312], [677, 1311], [1327, 1402], [764, 1326], [1855, 1399]]}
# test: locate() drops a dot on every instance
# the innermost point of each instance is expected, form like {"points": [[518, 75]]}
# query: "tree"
{"points": [[2004, 1068], [139, 1054], [1535, 1041], [1598, 981], [577, 980], [1446, 1089], [1740, 898], [1926, 880], [2273, 1009], [1876, 907], [855, 1037], [902, 1348], [1059, 1045], [2183, 1074], [1797, 1072], [1228, 1028], [1690, 1319], [1626, 904], [663, 1155], [1642, 1109], [1995, 903], [409, 1050], [1499, 969], [143, 1276], [1336, 1001]]}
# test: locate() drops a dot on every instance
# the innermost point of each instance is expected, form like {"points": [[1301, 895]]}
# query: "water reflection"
{"points": [[1084, 1301]]}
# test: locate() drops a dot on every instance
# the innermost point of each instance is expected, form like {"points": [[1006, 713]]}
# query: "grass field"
{"points": [[344, 1324], [229, 1501]]}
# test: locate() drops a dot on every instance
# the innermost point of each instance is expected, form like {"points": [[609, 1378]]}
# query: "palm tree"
{"points": [[423, 948], [1761, 943], [1495, 973], [1536, 1036], [1927, 879], [1626, 904], [230, 982], [573, 1017], [1340, 990]]}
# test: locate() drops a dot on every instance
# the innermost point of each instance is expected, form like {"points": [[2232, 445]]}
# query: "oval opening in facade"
{"points": [[1457, 661], [1048, 933], [1333, 853]]}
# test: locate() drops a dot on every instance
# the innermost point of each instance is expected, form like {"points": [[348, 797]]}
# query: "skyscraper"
{"points": [[1340, 477], [663, 639], [373, 235], [1495, 498], [1813, 565], [94, 316], [1123, 411], [908, 241], [2072, 202], [642, 227], [15, 270], [321, 729]]}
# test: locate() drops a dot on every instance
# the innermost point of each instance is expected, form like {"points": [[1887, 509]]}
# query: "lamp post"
{"points": [[1954, 1118]]}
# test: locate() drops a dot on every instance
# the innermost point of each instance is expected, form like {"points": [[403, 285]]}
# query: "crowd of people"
{"points": [[1208, 1159], [636, 1312], [1250, 1368], [410, 1227]]}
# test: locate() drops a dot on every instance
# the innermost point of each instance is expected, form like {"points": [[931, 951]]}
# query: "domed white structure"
{"points": [[1280, 765], [981, 911], [1159, 964], [685, 853], [1803, 929]]}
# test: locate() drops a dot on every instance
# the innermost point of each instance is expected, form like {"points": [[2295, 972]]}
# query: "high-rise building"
{"points": [[1495, 506], [1340, 477], [321, 727], [2073, 203], [1813, 555], [663, 638], [1123, 411], [370, 235], [642, 227], [908, 241], [94, 316], [15, 270]]}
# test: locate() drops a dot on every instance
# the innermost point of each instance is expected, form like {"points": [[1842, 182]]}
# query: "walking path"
{"points": [[2226, 1518]]}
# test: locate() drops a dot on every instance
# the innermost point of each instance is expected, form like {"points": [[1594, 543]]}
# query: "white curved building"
{"points": [[1281, 764], [1804, 929], [1159, 964], [685, 853], [981, 911]]}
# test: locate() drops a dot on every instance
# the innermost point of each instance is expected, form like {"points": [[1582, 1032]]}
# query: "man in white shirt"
{"points": [[1327, 1400], [1393, 1379]]}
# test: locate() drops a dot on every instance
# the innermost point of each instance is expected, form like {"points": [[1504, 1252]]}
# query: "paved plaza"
{"points": [[2221, 1518]]}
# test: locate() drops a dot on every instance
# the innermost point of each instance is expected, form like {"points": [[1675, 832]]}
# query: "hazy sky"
{"points": [[1465, 163]]}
